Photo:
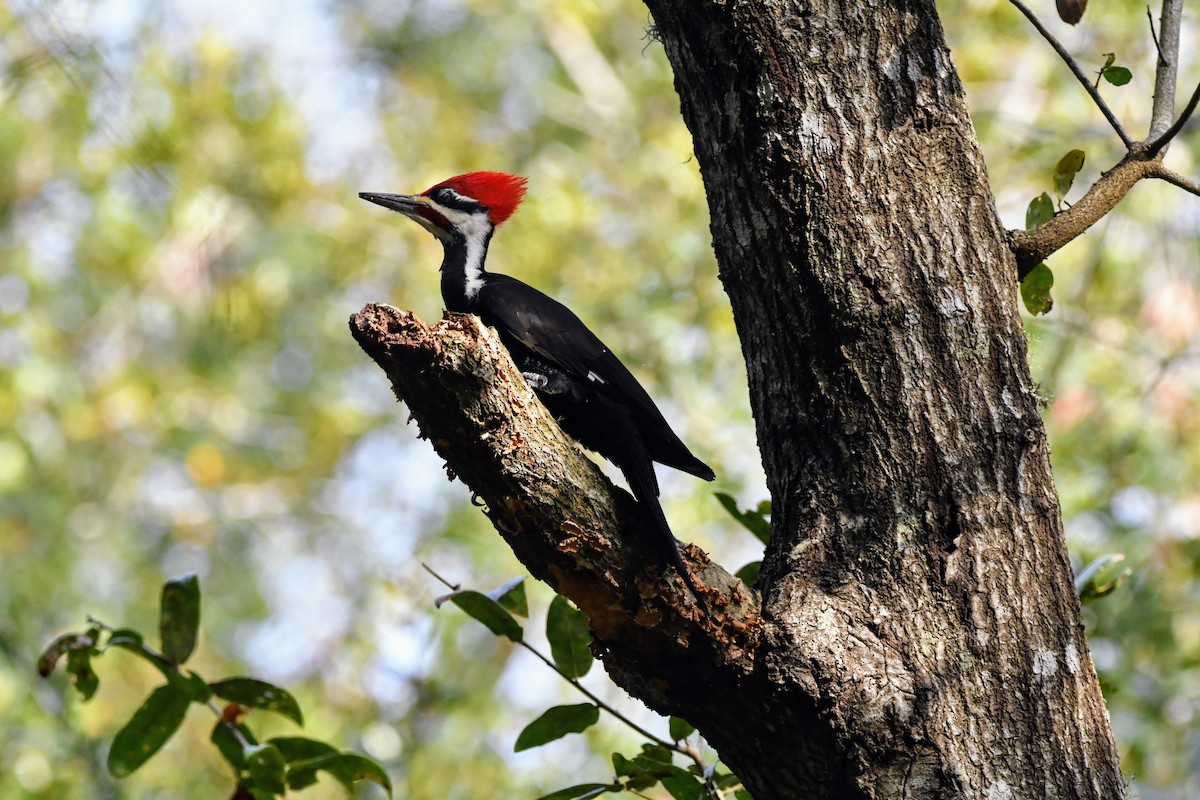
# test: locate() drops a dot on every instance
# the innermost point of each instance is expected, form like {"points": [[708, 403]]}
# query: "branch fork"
{"points": [[1143, 159]]}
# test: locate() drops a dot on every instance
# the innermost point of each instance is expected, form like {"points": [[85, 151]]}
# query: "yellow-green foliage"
{"points": [[180, 248]]}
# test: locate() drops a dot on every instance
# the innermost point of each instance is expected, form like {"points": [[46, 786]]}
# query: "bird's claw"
{"points": [[535, 380]]}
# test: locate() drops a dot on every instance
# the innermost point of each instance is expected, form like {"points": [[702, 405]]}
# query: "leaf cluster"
{"points": [[571, 657], [263, 770]]}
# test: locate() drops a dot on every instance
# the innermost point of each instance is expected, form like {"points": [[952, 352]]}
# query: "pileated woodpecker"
{"points": [[595, 399]]}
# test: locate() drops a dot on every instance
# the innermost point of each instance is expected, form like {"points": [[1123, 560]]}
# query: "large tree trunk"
{"points": [[917, 591], [918, 633]]}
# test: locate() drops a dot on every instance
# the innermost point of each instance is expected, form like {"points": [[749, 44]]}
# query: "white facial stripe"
{"points": [[475, 229]]}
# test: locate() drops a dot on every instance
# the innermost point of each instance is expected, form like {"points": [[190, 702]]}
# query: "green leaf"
{"points": [[570, 638], [656, 753], [647, 768], [556, 723], [742, 794], [229, 746], [749, 573], [680, 728], [300, 748], [79, 666], [245, 791], [1035, 290], [512, 596], [131, 640], [125, 638], [635, 777], [486, 610], [1065, 171], [582, 791], [258, 694], [753, 520], [724, 780], [1102, 576], [1117, 76], [1109, 60], [1041, 209], [265, 769], [683, 787], [346, 768], [148, 730], [179, 621]]}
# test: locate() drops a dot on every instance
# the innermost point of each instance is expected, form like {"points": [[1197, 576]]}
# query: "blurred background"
{"points": [[181, 247]]}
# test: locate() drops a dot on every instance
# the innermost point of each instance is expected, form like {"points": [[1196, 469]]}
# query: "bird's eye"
{"points": [[452, 198]]}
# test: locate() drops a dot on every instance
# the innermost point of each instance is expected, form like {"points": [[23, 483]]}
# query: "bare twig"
{"points": [[1084, 80], [601, 704], [1173, 177], [1153, 33], [1170, 133], [1167, 71], [454, 587], [684, 749]]}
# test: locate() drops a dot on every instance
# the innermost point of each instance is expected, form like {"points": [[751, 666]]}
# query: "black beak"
{"points": [[406, 204]]}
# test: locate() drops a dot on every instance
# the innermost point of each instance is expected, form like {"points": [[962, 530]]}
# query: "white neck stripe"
{"points": [[475, 229]]}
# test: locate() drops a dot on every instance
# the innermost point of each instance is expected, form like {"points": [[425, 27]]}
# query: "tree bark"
{"points": [[918, 634], [917, 589]]}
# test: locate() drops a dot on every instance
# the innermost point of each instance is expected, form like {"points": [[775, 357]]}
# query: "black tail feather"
{"points": [[640, 474]]}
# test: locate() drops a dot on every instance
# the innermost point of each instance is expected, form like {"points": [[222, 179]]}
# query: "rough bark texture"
{"points": [[917, 590], [919, 634], [559, 513]]}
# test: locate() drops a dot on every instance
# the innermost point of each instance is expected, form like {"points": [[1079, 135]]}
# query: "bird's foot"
{"points": [[536, 381]]}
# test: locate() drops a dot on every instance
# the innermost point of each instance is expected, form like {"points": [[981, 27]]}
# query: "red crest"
{"points": [[499, 192]]}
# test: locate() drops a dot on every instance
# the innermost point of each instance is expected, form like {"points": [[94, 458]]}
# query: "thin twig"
{"points": [[600, 703], [229, 726], [1173, 177], [1171, 132], [451, 586], [1078, 71], [1153, 33], [1166, 70], [685, 750]]}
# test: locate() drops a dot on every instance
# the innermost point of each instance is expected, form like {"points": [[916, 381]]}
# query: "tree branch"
{"points": [[1032, 247], [1153, 33], [1173, 177], [1142, 160], [1167, 71], [1078, 71], [558, 512], [1170, 133]]}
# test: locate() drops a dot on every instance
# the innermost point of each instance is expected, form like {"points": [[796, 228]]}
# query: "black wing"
{"points": [[553, 332]]}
